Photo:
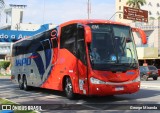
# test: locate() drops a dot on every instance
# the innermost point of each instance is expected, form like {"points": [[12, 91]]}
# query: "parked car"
{"points": [[159, 72], [148, 72]]}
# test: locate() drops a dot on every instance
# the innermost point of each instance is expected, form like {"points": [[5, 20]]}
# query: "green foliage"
{"points": [[152, 18], [7, 102], [4, 64], [3, 101], [136, 3], [5, 74]]}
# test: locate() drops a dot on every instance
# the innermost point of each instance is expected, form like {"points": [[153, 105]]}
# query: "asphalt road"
{"points": [[148, 96]]}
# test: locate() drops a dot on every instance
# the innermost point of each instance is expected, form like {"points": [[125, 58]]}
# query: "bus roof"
{"points": [[81, 21], [89, 21]]}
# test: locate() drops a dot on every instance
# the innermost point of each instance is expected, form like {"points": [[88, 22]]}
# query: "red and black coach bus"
{"points": [[62, 59]]}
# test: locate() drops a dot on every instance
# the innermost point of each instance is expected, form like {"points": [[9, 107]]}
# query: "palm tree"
{"points": [[136, 3], [151, 18]]}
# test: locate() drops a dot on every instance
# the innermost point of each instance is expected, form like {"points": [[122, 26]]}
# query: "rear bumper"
{"points": [[153, 75], [104, 89]]}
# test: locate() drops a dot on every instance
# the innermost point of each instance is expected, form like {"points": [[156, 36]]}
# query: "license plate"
{"points": [[119, 88]]}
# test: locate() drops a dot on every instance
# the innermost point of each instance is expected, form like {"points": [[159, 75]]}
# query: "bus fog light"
{"points": [[96, 81]]}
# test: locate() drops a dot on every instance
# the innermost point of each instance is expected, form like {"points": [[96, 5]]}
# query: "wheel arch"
{"points": [[19, 77]]}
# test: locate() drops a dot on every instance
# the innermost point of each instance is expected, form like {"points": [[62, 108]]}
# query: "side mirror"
{"points": [[88, 34], [142, 34]]}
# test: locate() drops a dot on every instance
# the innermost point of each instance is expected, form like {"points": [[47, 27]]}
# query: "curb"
{"points": [[147, 86], [5, 77]]}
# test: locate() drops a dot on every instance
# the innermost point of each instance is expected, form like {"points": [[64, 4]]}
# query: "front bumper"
{"points": [[104, 89]]}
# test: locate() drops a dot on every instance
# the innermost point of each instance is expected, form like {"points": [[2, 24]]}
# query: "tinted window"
{"points": [[36, 43], [81, 45], [144, 68], [68, 37], [152, 68]]}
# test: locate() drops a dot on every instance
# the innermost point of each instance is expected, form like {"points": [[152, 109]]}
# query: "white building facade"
{"points": [[13, 23], [151, 50], [152, 6]]}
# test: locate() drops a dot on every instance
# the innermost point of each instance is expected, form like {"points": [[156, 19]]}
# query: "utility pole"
{"points": [[115, 14], [44, 7], [89, 8]]}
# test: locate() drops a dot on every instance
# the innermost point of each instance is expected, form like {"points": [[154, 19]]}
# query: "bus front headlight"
{"points": [[137, 79], [96, 81]]}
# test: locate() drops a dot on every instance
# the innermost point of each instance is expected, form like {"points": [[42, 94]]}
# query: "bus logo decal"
{"points": [[39, 63], [130, 73], [23, 62], [113, 58], [46, 44]]}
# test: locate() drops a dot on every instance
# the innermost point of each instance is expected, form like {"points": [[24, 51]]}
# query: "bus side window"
{"points": [[81, 46], [68, 38]]}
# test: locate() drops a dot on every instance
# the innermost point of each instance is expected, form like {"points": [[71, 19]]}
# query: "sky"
{"points": [[59, 11]]}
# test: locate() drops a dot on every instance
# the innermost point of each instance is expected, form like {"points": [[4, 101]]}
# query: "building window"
{"points": [[158, 5], [119, 7], [119, 0], [21, 16], [158, 13], [120, 16], [150, 4], [150, 13]]}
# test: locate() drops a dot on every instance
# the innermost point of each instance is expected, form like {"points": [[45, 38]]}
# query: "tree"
{"points": [[1, 4], [1, 1], [136, 3], [151, 18]]}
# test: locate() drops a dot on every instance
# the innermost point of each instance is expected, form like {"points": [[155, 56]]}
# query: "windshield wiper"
{"points": [[134, 66], [124, 66]]}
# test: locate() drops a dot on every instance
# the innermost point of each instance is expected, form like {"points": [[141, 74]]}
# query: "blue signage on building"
{"points": [[13, 35]]}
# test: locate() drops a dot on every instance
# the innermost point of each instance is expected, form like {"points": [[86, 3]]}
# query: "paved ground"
{"points": [[149, 94]]}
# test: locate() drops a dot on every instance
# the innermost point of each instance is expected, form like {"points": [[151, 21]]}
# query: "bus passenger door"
{"points": [[82, 61]]}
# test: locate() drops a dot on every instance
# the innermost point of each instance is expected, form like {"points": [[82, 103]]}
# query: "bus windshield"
{"points": [[112, 48]]}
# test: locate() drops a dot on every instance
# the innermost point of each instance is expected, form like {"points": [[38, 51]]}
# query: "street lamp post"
{"points": [[115, 14], [88, 8]]}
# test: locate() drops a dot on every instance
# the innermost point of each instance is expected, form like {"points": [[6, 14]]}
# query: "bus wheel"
{"points": [[20, 82], [68, 88], [25, 83]]}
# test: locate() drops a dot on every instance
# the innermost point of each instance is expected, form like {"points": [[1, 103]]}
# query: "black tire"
{"points": [[26, 87], [21, 83], [155, 78], [68, 88]]}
